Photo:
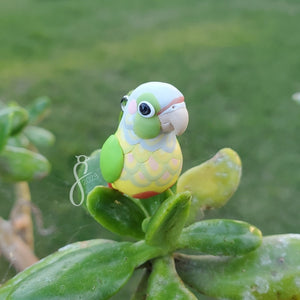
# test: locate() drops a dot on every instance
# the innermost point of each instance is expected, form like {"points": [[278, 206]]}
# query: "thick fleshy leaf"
{"points": [[86, 270], [39, 109], [166, 224], [272, 271], [164, 282], [213, 182], [12, 121], [5, 123], [10, 285], [116, 212], [220, 237], [38, 136], [19, 164], [19, 120], [151, 204], [19, 140], [87, 175]]}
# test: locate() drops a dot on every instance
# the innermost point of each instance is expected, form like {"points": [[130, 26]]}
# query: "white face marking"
{"points": [[173, 108]]}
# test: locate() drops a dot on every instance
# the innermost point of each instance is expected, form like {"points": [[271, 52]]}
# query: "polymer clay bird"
{"points": [[143, 158]]}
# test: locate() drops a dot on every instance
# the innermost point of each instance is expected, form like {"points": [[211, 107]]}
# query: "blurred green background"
{"points": [[237, 63]]}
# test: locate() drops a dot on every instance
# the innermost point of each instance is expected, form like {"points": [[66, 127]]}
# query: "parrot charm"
{"points": [[143, 158]]}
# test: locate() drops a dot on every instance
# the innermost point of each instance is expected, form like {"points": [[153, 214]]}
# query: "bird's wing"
{"points": [[111, 159]]}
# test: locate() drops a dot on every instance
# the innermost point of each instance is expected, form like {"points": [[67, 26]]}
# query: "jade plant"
{"points": [[182, 258], [20, 139], [133, 188], [20, 162]]}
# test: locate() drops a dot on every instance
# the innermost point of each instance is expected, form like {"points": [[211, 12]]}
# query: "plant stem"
{"points": [[20, 215], [14, 249], [16, 235]]}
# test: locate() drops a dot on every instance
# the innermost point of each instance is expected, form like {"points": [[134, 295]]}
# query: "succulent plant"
{"points": [[182, 258]]}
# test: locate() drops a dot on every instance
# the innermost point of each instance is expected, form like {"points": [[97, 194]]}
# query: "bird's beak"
{"points": [[175, 118]]}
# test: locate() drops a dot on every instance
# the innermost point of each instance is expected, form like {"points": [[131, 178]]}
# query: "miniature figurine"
{"points": [[143, 158]]}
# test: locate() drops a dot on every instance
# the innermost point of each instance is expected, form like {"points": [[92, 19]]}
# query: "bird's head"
{"points": [[154, 108]]}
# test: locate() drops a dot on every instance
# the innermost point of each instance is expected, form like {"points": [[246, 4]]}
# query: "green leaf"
{"points": [[19, 119], [116, 212], [151, 204], [87, 175], [19, 140], [165, 226], [5, 124], [213, 182], [54, 258], [272, 271], [19, 164], [39, 109], [86, 270], [220, 237], [164, 282], [38, 136], [12, 121]]}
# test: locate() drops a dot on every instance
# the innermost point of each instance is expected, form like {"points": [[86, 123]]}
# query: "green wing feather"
{"points": [[111, 159]]}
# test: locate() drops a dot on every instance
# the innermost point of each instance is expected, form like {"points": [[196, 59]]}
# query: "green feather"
{"points": [[111, 159], [147, 128]]}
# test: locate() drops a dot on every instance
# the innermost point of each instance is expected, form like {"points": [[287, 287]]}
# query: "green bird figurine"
{"points": [[143, 158]]}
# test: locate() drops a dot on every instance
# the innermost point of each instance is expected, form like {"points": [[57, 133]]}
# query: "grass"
{"points": [[237, 63]]}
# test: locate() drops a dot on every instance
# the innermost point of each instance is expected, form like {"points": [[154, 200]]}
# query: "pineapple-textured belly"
{"points": [[147, 173]]}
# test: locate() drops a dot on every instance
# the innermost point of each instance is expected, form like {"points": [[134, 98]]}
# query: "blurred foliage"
{"points": [[236, 62], [19, 157], [21, 162]]}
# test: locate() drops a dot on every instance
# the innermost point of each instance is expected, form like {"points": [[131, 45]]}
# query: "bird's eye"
{"points": [[124, 101], [146, 109]]}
